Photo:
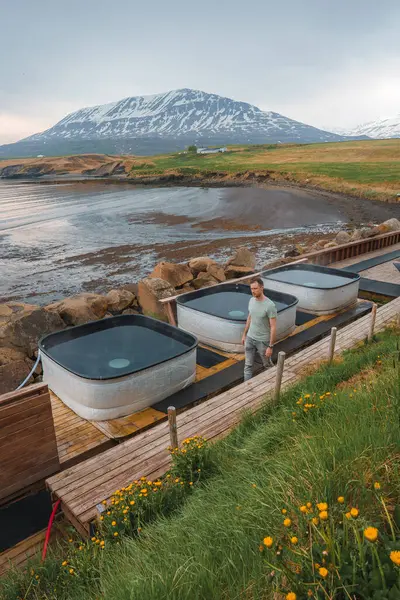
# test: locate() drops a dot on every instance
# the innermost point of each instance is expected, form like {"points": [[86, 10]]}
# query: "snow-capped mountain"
{"points": [[381, 129], [163, 122]]}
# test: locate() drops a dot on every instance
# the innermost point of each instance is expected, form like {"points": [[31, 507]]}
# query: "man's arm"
{"points": [[272, 337], [246, 329]]}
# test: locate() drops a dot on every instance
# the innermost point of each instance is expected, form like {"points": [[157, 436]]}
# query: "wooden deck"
{"points": [[355, 259], [84, 486]]}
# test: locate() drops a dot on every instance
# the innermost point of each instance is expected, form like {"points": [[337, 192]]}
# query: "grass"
{"points": [[370, 168], [209, 548]]}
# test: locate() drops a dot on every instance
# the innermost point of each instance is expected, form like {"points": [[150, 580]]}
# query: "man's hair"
{"points": [[257, 280]]}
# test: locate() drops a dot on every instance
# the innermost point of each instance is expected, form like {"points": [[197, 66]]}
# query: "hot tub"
{"points": [[111, 368], [217, 315], [320, 290]]}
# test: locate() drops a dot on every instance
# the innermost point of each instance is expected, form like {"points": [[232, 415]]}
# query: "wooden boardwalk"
{"points": [[83, 487], [355, 259]]}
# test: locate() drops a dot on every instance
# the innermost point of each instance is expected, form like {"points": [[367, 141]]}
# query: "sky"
{"points": [[328, 63]]}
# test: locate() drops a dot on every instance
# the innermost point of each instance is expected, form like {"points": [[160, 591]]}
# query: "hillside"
{"points": [[164, 123], [381, 129], [368, 169]]}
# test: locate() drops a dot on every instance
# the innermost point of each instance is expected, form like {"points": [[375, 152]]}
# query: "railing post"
{"points": [[173, 430], [372, 323], [332, 343], [279, 373]]}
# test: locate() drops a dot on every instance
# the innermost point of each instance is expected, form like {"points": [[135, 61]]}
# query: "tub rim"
{"points": [[102, 324], [210, 290], [353, 277]]}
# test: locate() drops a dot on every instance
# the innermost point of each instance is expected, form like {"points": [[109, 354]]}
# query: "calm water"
{"points": [[60, 239], [115, 351], [227, 305], [309, 278]]}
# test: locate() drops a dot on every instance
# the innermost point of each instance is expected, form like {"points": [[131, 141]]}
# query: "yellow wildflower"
{"points": [[284, 511], [287, 522], [309, 505], [143, 491], [113, 523], [132, 502], [315, 520], [294, 540], [303, 509], [323, 572], [254, 485], [64, 563], [341, 499], [323, 515], [377, 485], [268, 541], [116, 534], [395, 557], [291, 596], [309, 593], [371, 534], [71, 571], [261, 547], [348, 515], [354, 512], [322, 506], [102, 543]]}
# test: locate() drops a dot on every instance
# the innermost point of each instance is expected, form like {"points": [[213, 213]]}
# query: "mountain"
{"points": [[164, 123], [381, 129]]}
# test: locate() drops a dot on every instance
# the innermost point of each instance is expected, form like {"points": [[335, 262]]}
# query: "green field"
{"points": [[362, 168], [346, 446]]}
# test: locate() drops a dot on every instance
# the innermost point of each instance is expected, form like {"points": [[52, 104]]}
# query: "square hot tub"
{"points": [[320, 290], [113, 367], [217, 315]]}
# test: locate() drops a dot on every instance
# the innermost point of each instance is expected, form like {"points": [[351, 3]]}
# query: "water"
{"points": [[226, 305], [57, 240], [306, 278], [116, 351]]}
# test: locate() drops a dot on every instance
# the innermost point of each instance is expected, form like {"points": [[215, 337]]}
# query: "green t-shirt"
{"points": [[261, 311]]}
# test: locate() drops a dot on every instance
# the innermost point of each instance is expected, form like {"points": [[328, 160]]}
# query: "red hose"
{"points": [[47, 538]]}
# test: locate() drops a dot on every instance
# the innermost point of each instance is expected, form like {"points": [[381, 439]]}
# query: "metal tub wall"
{"points": [[226, 334], [99, 400], [319, 301]]}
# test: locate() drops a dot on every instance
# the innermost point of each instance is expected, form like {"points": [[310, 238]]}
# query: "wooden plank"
{"points": [[25, 392]]}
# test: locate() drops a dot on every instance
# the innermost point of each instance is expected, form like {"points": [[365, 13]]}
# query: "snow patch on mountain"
{"points": [[380, 129]]}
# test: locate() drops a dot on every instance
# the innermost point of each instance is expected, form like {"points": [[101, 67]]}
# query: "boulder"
{"points": [[81, 308], [118, 300], [356, 235], [204, 279], [14, 367], [216, 271], [367, 232], [175, 274], [232, 271], [243, 258], [343, 238], [12, 309], [330, 245], [200, 264], [150, 291], [130, 311], [25, 328], [393, 224]]}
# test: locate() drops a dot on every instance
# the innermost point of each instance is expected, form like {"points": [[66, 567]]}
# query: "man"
{"points": [[260, 331]]}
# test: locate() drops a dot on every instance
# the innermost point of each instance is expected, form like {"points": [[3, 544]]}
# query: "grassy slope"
{"points": [[211, 550], [363, 168]]}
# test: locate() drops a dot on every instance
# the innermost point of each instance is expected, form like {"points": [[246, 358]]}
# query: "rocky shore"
{"points": [[22, 325]]}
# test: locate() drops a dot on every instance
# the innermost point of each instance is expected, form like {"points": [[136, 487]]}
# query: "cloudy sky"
{"points": [[329, 63]]}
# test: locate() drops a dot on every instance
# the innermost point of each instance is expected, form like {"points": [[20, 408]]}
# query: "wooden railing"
{"points": [[320, 257]]}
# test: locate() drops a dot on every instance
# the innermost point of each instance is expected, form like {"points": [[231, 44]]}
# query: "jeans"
{"points": [[250, 348]]}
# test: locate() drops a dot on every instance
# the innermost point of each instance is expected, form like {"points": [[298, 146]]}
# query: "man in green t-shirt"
{"points": [[260, 331]]}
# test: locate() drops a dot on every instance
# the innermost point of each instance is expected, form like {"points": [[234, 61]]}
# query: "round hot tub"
{"points": [[217, 315], [320, 290], [117, 366]]}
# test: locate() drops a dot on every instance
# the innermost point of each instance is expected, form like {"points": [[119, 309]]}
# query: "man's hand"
{"points": [[243, 339], [268, 352]]}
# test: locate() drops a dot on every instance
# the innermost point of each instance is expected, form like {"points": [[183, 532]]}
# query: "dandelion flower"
{"points": [[132, 502], [116, 534], [323, 572], [303, 509], [102, 543], [395, 557], [341, 499], [284, 511], [354, 513], [309, 593], [268, 541], [323, 515], [113, 523], [377, 485], [348, 515], [291, 596], [71, 571], [64, 563], [254, 485], [315, 520], [309, 505], [322, 506], [294, 540], [287, 522], [371, 534]]}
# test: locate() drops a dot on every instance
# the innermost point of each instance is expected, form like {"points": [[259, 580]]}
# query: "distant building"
{"points": [[211, 150]]}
